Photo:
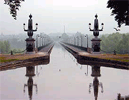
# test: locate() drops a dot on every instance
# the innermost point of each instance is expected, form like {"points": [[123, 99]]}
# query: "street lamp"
{"points": [[77, 40], [37, 40], [74, 40], [43, 40], [40, 39], [96, 84]]}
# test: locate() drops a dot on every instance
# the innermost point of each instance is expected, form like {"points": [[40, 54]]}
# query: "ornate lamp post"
{"points": [[40, 39], [44, 41], [81, 40], [30, 46], [96, 40], [37, 40], [74, 40], [77, 40]]}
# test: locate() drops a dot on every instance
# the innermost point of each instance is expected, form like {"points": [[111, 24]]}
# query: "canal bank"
{"points": [[102, 59], [24, 59]]}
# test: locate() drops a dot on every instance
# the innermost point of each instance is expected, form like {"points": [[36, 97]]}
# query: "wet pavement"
{"points": [[63, 79]]}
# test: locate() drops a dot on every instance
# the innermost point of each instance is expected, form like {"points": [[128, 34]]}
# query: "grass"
{"points": [[123, 60], [9, 58], [117, 57], [3, 59]]}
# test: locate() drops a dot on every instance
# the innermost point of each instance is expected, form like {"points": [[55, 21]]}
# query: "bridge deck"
{"points": [[42, 57], [77, 50], [47, 48]]}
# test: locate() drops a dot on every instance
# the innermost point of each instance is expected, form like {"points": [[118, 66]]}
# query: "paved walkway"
{"points": [[46, 49], [77, 50]]}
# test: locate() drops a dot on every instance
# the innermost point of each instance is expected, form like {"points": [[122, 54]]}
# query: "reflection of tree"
{"points": [[14, 6], [96, 83], [30, 72]]}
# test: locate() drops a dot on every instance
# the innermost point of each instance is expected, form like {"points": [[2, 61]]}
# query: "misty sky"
{"points": [[52, 15]]}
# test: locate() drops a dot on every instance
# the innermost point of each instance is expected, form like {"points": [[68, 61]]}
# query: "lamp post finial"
{"points": [[96, 16], [30, 16]]}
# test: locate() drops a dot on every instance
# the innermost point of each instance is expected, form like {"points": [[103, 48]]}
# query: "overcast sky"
{"points": [[52, 15]]}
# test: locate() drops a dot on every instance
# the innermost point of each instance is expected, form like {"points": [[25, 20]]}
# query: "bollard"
{"points": [[114, 52], [119, 96], [11, 52]]}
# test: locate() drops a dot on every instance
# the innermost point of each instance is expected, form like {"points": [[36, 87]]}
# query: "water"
{"points": [[63, 79]]}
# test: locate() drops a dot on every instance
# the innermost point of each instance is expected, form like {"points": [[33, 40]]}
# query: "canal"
{"points": [[62, 79]]}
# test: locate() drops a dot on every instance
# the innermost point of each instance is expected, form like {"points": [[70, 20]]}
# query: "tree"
{"points": [[115, 41], [120, 8], [4, 46]]}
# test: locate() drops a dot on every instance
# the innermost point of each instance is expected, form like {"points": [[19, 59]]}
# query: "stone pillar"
{"points": [[30, 45], [96, 45]]}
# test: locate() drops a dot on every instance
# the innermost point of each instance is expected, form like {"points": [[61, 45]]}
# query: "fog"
{"points": [[52, 15]]}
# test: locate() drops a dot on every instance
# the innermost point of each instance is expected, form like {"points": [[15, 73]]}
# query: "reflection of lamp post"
{"points": [[87, 41], [87, 71], [30, 87], [96, 83], [96, 40], [30, 72]]}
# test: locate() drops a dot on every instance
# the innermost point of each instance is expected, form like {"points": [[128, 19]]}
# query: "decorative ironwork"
{"points": [[96, 27], [30, 27]]}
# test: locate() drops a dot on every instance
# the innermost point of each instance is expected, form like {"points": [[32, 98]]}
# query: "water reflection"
{"points": [[21, 64], [87, 71], [96, 83], [30, 72], [62, 79]]}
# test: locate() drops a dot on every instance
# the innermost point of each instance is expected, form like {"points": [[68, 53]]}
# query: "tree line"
{"points": [[116, 41], [4, 46]]}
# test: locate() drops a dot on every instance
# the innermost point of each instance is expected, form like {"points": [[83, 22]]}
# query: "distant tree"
{"points": [[120, 9], [7, 46], [115, 41], [4, 46]]}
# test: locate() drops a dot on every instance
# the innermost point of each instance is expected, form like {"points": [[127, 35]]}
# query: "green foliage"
{"points": [[14, 50], [4, 46], [3, 59], [115, 41], [118, 9]]}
